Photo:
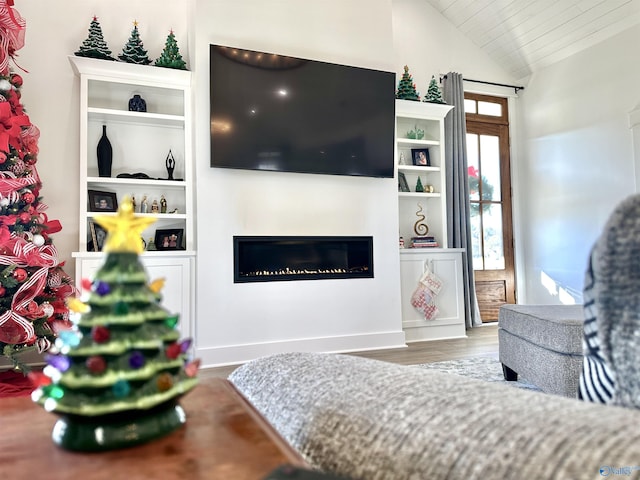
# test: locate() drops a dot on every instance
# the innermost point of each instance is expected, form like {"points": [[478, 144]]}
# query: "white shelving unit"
{"points": [[428, 117], [446, 263], [141, 142]]}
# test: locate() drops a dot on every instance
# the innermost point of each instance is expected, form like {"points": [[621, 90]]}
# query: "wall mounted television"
{"points": [[280, 113]]}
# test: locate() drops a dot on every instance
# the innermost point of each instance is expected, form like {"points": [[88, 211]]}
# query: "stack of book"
{"points": [[423, 242]]}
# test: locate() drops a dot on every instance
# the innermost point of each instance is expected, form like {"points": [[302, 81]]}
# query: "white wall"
{"points": [[577, 159], [430, 45], [238, 322]]}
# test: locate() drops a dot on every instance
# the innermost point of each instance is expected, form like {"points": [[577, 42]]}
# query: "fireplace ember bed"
{"points": [[273, 259]]}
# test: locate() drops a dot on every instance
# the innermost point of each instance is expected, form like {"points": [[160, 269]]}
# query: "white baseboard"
{"points": [[435, 332], [238, 354]]}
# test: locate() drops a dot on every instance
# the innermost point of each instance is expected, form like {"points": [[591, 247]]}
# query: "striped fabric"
{"points": [[596, 380]]}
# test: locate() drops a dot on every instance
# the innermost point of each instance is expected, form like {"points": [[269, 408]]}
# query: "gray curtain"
{"points": [[458, 223]]}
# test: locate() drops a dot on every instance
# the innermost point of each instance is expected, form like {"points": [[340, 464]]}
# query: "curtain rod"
{"points": [[515, 87]]}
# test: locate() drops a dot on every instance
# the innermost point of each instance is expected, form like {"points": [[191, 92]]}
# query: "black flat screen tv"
{"points": [[279, 113]]}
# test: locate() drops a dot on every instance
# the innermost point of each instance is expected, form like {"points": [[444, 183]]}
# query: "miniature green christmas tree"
{"points": [[133, 51], [122, 367], [170, 56], [406, 87], [419, 187], [434, 95], [94, 46]]}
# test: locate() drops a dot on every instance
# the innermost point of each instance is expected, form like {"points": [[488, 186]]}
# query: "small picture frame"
{"points": [[169, 239], [98, 237], [102, 201], [403, 186], [420, 157]]}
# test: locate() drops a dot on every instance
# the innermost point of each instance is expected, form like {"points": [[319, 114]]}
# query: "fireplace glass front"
{"points": [[270, 259]]}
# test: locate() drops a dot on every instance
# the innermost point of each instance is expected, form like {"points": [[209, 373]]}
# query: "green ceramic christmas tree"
{"points": [[419, 186], [406, 87], [434, 95], [133, 51], [122, 367], [170, 56], [94, 46]]}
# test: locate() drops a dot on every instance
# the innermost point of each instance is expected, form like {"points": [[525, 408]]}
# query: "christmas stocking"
{"points": [[423, 297]]}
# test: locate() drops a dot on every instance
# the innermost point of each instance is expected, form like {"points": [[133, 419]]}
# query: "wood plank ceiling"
{"points": [[525, 35]]}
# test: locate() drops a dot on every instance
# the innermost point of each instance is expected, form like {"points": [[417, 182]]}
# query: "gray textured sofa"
{"points": [[367, 419]]}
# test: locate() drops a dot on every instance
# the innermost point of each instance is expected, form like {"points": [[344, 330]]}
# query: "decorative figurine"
{"points": [[417, 133], [170, 163], [137, 104], [434, 95], [144, 206], [406, 88], [163, 204], [155, 208], [151, 245], [104, 154], [133, 202], [420, 227]]}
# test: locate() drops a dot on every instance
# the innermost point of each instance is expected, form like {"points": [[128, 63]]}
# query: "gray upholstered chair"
{"points": [[542, 344]]}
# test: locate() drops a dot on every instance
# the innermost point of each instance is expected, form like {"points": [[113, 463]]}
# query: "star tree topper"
{"points": [[124, 230]]}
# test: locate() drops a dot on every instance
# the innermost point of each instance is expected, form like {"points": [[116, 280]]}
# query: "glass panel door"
{"points": [[490, 202], [483, 157]]}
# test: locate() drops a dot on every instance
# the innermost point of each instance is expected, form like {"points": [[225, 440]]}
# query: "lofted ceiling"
{"points": [[524, 35]]}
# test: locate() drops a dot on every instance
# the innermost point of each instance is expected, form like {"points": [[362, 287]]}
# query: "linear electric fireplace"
{"points": [[273, 259]]}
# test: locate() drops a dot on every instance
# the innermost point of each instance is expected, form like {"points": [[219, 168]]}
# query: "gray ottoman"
{"points": [[542, 344]]}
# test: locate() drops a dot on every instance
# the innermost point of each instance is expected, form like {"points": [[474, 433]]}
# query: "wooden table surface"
{"points": [[223, 438]]}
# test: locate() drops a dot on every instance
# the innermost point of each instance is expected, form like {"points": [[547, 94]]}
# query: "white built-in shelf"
{"points": [[157, 216], [417, 143], [419, 194], [429, 118], [141, 142], [138, 118], [417, 168], [97, 181]]}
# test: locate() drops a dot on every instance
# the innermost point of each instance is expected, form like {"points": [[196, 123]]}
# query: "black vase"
{"points": [[105, 154]]}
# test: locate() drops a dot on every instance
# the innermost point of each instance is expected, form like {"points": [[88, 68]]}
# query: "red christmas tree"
{"points": [[33, 285]]}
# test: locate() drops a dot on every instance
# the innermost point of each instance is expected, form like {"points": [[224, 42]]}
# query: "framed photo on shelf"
{"points": [[102, 201], [403, 186], [169, 239], [98, 237], [421, 157]]}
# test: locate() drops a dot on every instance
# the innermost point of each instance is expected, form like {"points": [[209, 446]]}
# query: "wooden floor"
{"points": [[481, 341]]}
